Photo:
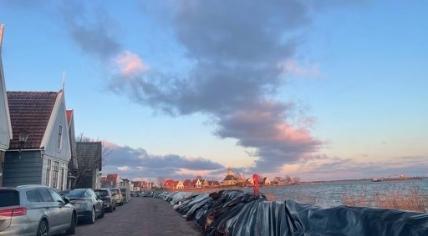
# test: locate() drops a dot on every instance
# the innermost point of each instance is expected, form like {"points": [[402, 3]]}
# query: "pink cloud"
{"points": [[130, 64]]}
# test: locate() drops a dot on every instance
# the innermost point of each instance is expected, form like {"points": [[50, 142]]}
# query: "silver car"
{"points": [[35, 210]]}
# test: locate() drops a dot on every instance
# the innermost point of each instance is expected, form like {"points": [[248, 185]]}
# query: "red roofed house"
{"points": [[5, 125], [111, 181], [169, 184], [39, 152], [188, 183]]}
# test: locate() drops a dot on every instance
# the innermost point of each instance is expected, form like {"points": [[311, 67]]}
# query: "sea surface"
{"points": [[330, 194]]}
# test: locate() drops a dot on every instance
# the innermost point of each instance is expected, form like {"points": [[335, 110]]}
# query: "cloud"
{"points": [[136, 163], [129, 64], [235, 48], [292, 67], [92, 30]]}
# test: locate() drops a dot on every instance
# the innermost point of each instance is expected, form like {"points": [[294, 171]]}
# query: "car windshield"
{"points": [[76, 193], [102, 193], [9, 198]]}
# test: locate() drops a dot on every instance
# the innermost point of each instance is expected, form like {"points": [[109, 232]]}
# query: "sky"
{"points": [[319, 90]]}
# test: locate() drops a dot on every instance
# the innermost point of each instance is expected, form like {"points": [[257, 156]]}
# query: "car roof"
{"points": [[24, 187]]}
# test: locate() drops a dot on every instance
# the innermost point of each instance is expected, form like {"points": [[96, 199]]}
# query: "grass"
{"points": [[409, 200]]}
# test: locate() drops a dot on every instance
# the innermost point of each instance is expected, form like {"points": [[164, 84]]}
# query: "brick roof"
{"points": [[29, 114]]}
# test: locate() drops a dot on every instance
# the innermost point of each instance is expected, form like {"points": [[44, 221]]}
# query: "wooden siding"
{"points": [[26, 169], [54, 149]]}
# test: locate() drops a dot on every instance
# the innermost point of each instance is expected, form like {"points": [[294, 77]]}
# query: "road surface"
{"points": [[142, 217]]}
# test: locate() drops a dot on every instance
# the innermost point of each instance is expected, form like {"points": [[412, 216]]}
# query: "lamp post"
{"points": [[23, 137]]}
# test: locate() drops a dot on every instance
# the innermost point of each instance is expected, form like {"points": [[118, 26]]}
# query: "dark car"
{"points": [[88, 206], [108, 202], [35, 210]]}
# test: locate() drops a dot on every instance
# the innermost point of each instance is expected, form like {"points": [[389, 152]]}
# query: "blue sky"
{"points": [[358, 73]]}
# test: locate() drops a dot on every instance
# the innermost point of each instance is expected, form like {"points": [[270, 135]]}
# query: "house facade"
{"points": [[39, 152], [73, 164], [197, 183], [89, 156], [5, 125], [180, 185], [111, 181]]}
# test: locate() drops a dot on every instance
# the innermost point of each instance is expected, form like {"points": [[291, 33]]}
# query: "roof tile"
{"points": [[30, 113]]}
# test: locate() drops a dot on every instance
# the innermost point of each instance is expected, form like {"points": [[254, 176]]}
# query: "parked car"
{"points": [[35, 210], [108, 202], [126, 194], [117, 196], [88, 206]]}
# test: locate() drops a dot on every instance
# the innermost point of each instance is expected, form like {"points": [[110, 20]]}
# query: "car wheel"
{"points": [[92, 217], [72, 229], [43, 229]]}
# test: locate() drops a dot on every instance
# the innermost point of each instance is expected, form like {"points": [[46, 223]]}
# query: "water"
{"points": [[330, 194]]}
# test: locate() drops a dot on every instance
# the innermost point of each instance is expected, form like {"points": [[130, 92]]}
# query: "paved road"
{"points": [[143, 217]]}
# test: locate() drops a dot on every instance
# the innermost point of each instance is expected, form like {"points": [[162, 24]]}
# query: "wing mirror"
{"points": [[66, 200]]}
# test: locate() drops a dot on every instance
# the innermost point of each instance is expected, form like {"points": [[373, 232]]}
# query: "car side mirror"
{"points": [[66, 200]]}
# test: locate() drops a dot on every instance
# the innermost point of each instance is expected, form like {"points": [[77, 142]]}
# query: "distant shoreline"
{"points": [[218, 188]]}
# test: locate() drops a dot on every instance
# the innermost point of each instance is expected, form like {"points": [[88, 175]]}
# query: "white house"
{"points": [[5, 125], [39, 152], [180, 185]]}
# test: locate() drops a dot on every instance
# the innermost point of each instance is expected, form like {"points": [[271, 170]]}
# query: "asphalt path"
{"points": [[141, 216]]}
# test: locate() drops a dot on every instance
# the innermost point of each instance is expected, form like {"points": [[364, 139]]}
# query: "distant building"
{"points": [[179, 185], [5, 124], [188, 184], [39, 152], [205, 183], [230, 179], [89, 156], [197, 183], [266, 181], [169, 184], [111, 181], [213, 183]]}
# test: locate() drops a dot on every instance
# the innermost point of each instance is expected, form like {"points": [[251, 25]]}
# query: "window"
{"points": [[48, 173], [61, 179], [46, 196], [34, 196], [55, 170], [59, 138], [56, 197], [9, 198]]}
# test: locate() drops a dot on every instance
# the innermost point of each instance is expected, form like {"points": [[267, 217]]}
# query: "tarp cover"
{"points": [[234, 212]]}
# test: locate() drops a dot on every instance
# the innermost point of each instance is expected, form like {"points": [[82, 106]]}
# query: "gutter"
{"points": [[24, 150]]}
